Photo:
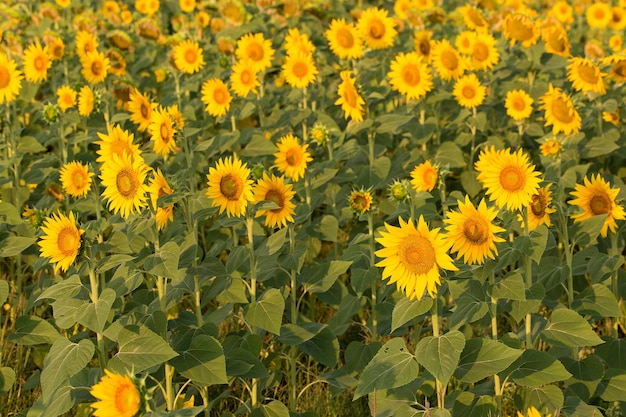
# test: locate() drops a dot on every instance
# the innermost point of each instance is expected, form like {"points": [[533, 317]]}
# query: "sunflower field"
{"points": [[312, 208]]}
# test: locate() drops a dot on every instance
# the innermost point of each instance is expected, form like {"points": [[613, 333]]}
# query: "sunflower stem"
{"points": [[304, 107], [434, 314], [93, 284], [494, 336], [528, 272], [615, 253], [249, 225], [374, 287], [293, 352]]}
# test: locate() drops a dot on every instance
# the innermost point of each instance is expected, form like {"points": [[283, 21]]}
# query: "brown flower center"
{"points": [[345, 38], [417, 254], [520, 29], [144, 109], [376, 29], [164, 130], [246, 77], [512, 179], [538, 205], [480, 52], [588, 73], [220, 96], [255, 52], [5, 77], [300, 69], [68, 241], [293, 157], [562, 111], [600, 204], [519, 104], [276, 197], [231, 187], [127, 183], [424, 47], [411, 75], [350, 95], [79, 179], [469, 92], [191, 56], [97, 68], [39, 63], [476, 230], [449, 60], [127, 399]]}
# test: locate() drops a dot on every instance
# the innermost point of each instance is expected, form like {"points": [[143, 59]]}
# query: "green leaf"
{"points": [[242, 363], [7, 379], [112, 261], [273, 409], [613, 352], [10, 214], [66, 288], [470, 306], [406, 310], [586, 375], [391, 123], [467, 404], [574, 407], [94, 316], [164, 262], [597, 301], [598, 146], [29, 144], [319, 278], [60, 403], [539, 240], [64, 360], [547, 399], [358, 355], [451, 155], [32, 330], [267, 313], [64, 311], [4, 291], [323, 347], [567, 328], [294, 334], [329, 225], [586, 231], [535, 368], [276, 241], [14, 245], [381, 168], [393, 366], [484, 357], [204, 361], [440, 355], [613, 385], [258, 146], [511, 287], [139, 349], [322, 178], [534, 296]]}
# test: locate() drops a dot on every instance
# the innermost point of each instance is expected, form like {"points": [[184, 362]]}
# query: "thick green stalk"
{"points": [[293, 376], [615, 252], [528, 272], [374, 285], [441, 390], [494, 336], [250, 223], [93, 284]]}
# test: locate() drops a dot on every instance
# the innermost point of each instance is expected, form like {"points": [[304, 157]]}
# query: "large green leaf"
{"points": [[586, 375], [10, 214], [470, 306], [613, 352], [4, 291], [14, 245], [511, 287], [164, 262], [60, 403], [65, 288], [64, 360], [406, 310], [273, 409], [586, 231], [535, 368], [484, 357], [575, 407], [242, 363], [7, 378], [267, 312], [139, 349], [33, 330], [613, 385], [567, 328], [449, 153], [94, 315], [323, 347], [204, 361], [319, 278], [534, 296], [440, 355], [467, 404], [546, 398], [294, 334], [391, 367], [597, 301]]}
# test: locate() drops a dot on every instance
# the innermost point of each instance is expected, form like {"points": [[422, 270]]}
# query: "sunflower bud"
{"points": [[257, 171], [360, 201], [33, 216], [224, 62], [399, 190], [51, 113], [319, 134]]}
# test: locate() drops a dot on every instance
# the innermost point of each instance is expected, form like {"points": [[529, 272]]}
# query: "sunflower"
{"points": [[598, 15], [616, 43], [299, 70], [556, 40], [202, 19], [412, 256], [585, 75], [344, 39], [510, 179], [274, 189], [216, 96], [424, 176], [117, 395], [560, 112], [162, 132], [471, 233], [56, 48], [117, 63], [594, 50], [116, 142], [618, 67], [36, 63], [376, 28], [484, 53], [140, 109], [618, 19], [360, 201], [158, 188], [187, 6], [521, 28], [562, 11], [551, 147], [66, 98], [243, 79], [76, 179], [85, 43], [292, 158], [447, 61], [596, 197], [539, 209], [296, 42], [257, 49], [86, 101], [123, 178], [95, 67], [611, 117], [472, 18], [464, 42], [10, 79], [349, 99], [229, 186], [532, 412], [188, 57], [61, 240], [468, 91], [177, 117], [518, 104], [410, 75], [424, 44]]}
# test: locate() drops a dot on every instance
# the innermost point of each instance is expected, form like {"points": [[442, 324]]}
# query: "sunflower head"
{"points": [[292, 158], [360, 201], [424, 176], [410, 75], [119, 395], [76, 179], [551, 147], [10, 79], [376, 28], [276, 190], [344, 40], [61, 241], [123, 178], [349, 99], [229, 187], [468, 91], [299, 70], [216, 97], [518, 104], [560, 112], [37, 61], [596, 197], [188, 57], [399, 191]]}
